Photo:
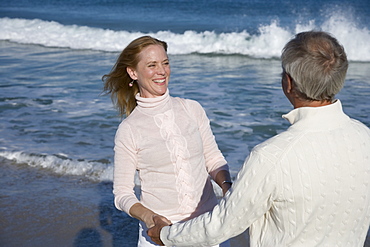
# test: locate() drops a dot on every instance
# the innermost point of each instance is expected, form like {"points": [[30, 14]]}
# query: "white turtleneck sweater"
{"points": [[169, 142], [308, 186]]}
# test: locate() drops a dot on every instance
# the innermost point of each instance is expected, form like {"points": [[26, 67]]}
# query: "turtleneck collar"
{"points": [[144, 103], [317, 116]]}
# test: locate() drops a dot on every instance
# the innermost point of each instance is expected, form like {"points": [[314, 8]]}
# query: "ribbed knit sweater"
{"points": [[307, 186], [168, 140]]}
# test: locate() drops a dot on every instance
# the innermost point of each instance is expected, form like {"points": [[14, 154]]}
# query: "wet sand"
{"points": [[38, 208]]}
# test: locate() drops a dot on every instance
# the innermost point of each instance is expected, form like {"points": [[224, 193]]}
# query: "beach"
{"points": [[57, 127], [47, 210]]}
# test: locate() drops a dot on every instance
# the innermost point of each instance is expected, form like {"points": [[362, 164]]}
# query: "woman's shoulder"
{"points": [[129, 120], [188, 103]]}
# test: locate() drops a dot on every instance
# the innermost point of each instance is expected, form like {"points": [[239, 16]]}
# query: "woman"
{"points": [[167, 140]]}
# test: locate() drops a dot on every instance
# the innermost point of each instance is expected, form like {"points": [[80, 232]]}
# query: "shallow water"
{"points": [[223, 54], [53, 113]]}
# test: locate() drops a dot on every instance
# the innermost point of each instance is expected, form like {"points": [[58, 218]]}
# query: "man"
{"points": [[308, 186]]}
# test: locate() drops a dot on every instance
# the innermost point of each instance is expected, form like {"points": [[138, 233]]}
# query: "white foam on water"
{"points": [[267, 43], [61, 165]]}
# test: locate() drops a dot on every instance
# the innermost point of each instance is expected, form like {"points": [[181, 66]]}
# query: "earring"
{"points": [[131, 83]]}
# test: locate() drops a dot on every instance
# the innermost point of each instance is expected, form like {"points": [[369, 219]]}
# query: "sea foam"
{"points": [[58, 164], [266, 43]]}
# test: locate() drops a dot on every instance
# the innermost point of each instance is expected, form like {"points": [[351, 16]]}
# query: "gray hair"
{"points": [[317, 63]]}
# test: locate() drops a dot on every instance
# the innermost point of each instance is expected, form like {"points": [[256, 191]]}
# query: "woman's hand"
{"points": [[143, 214], [155, 232]]}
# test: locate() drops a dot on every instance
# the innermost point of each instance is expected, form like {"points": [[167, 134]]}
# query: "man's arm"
{"points": [[250, 197]]}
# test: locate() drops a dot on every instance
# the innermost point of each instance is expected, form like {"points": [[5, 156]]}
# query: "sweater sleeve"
{"points": [[125, 162], [249, 198], [215, 161]]}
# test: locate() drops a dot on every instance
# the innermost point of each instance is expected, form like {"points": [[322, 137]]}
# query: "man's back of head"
{"points": [[316, 63]]}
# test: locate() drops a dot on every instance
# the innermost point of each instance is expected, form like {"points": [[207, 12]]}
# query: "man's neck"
{"points": [[316, 103]]}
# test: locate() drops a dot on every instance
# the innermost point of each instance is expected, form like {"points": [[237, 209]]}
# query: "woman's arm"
{"points": [[223, 179], [215, 162], [125, 165], [143, 214]]}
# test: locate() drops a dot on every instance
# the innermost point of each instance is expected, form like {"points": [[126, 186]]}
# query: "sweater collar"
{"points": [[317, 116], [152, 102]]}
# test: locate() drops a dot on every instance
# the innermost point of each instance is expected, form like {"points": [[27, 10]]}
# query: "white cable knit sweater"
{"points": [[308, 186], [170, 142]]}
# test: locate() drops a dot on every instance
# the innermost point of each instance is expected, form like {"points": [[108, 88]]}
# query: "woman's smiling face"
{"points": [[152, 73]]}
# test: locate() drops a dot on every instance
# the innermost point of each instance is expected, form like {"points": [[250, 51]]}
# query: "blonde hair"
{"points": [[117, 81]]}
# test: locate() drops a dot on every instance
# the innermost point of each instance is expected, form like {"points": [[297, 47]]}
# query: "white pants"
{"points": [[145, 241]]}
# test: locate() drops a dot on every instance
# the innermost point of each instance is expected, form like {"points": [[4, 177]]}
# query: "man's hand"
{"points": [[155, 232]]}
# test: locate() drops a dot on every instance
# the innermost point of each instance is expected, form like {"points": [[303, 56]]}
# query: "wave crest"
{"points": [[58, 164], [267, 43]]}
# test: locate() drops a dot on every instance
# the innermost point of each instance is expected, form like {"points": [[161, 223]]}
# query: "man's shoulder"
{"points": [[360, 125], [276, 145]]}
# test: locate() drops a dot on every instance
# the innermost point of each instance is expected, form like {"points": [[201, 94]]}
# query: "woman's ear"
{"points": [[132, 73]]}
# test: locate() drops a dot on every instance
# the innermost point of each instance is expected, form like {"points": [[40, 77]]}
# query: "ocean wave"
{"points": [[267, 43], [59, 164]]}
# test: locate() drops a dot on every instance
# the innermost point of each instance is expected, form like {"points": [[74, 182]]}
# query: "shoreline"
{"points": [[41, 209]]}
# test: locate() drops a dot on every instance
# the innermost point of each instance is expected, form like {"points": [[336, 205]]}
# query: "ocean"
{"points": [[56, 123]]}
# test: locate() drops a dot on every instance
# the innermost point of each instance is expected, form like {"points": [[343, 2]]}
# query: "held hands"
{"points": [[155, 232]]}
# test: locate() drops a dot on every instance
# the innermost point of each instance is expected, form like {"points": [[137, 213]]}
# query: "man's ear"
{"points": [[289, 85], [132, 73]]}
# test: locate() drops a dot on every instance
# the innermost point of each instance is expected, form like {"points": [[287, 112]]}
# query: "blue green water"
{"points": [[225, 54]]}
